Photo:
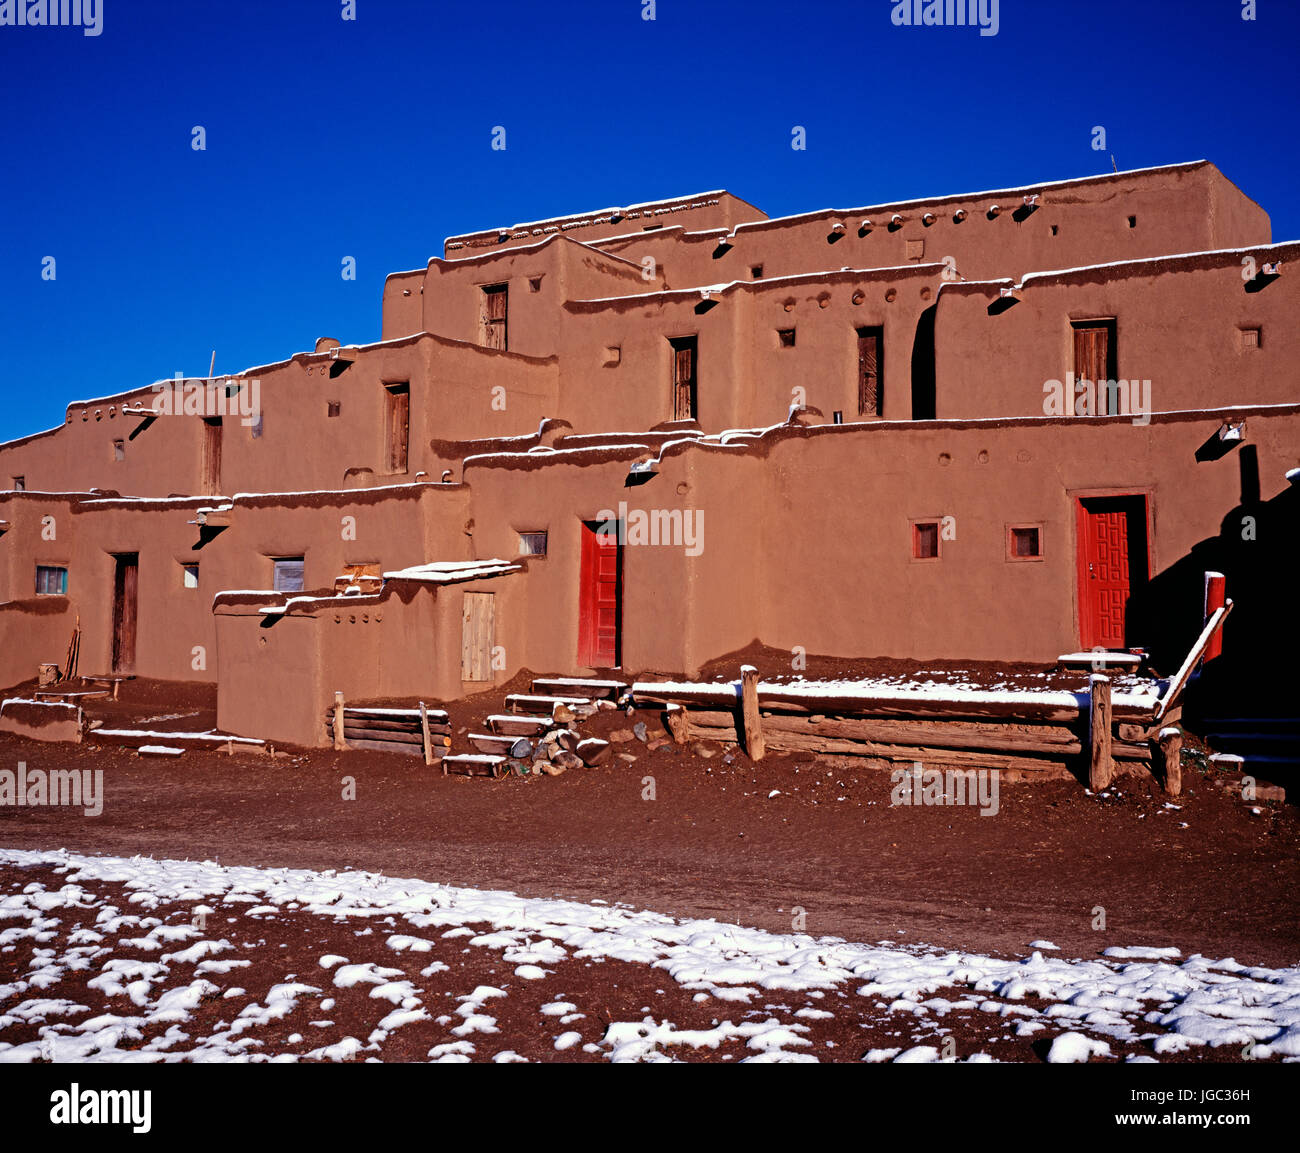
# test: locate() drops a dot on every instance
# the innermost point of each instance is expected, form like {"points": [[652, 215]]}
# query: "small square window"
{"points": [[925, 540], [51, 580], [190, 576], [1132, 221], [1251, 338], [532, 544], [786, 337], [333, 407], [756, 272], [20, 484], [1056, 229], [534, 284], [837, 417], [119, 450], [915, 249], [1024, 542], [289, 574]]}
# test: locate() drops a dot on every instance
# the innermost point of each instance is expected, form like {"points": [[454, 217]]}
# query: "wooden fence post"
{"points": [[1101, 768], [753, 724], [424, 731], [339, 743], [1170, 743]]}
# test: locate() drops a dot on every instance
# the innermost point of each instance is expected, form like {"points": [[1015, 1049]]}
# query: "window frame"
{"points": [[915, 524], [49, 568], [1012, 528], [277, 561], [540, 532]]}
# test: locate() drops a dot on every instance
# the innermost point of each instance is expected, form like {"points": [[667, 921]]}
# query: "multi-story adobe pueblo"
{"points": [[999, 426]]}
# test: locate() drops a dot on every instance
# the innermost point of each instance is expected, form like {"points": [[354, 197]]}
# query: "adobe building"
{"points": [[645, 437]]}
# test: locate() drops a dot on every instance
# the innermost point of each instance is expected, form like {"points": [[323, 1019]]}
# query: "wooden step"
{"points": [[351, 712], [501, 745], [517, 701], [473, 764], [518, 725], [595, 689], [137, 737]]}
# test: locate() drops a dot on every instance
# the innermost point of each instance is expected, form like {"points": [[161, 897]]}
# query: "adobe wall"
{"points": [[1178, 324], [807, 536], [33, 631], [706, 210], [451, 297], [395, 527], [279, 674], [746, 378], [1180, 208]]}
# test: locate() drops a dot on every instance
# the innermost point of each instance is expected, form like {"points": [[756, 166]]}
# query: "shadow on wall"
{"points": [[1255, 550]]}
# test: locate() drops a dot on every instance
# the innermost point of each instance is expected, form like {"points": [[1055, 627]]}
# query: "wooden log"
{"points": [[1184, 674], [339, 743], [373, 721], [386, 747], [424, 734], [1101, 769], [749, 711], [675, 722], [810, 742], [1170, 749], [363, 733], [1055, 739]]}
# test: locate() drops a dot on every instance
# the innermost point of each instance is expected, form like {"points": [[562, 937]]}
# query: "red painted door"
{"points": [[599, 598], [1112, 559]]}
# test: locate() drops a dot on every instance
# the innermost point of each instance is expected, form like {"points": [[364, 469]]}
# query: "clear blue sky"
{"points": [[371, 138]]}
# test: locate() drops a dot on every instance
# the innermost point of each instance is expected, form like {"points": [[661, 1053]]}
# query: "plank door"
{"points": [[496, 298], [600, 598], [478, 625], [1112, 564], [397, 426], [1094, 352], [126, 581], [685, 367], [871, 394], [211, 478]]}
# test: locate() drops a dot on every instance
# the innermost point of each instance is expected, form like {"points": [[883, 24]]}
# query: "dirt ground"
{"points": [[1206, 874]]}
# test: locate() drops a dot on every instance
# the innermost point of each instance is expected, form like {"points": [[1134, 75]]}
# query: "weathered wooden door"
{"points": [[600, 598], [126, 578], [397, 426], [478, 625], [211, 478], [1112, 561], [685, 366], [1094, 349], [871, 395], [496, 299]]}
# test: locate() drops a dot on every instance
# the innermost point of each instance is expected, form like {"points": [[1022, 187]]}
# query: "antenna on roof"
{"points": [[212, 364], [1114, 166]]}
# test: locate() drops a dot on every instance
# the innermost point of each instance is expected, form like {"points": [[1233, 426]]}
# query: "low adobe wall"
{"points": [[41, 720]]}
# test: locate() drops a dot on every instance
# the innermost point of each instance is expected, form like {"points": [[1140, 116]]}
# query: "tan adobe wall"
{"points": [[702, 210], [1178, 324]]}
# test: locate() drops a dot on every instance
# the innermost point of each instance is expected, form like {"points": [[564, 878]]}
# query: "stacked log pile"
{"points": [[418, 732]]}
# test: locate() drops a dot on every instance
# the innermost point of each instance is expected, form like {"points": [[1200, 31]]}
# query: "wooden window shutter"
{"points": [[870, 393], [398, 426]]}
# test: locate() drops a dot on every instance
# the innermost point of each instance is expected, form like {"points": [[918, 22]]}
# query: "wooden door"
{"points": [[1112, 563], [871, 397], [685, 358], [478, 625], [1094, 349], [126, 578], [600, 598], [211, 478], [397, 426], [496, 299]]}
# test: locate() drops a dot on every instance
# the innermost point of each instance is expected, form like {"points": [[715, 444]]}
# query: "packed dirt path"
{"points": [[1211, 875]]}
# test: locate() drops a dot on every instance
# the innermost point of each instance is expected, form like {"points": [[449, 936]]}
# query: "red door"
{"points": [[1112, 561], [599, 597]]}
